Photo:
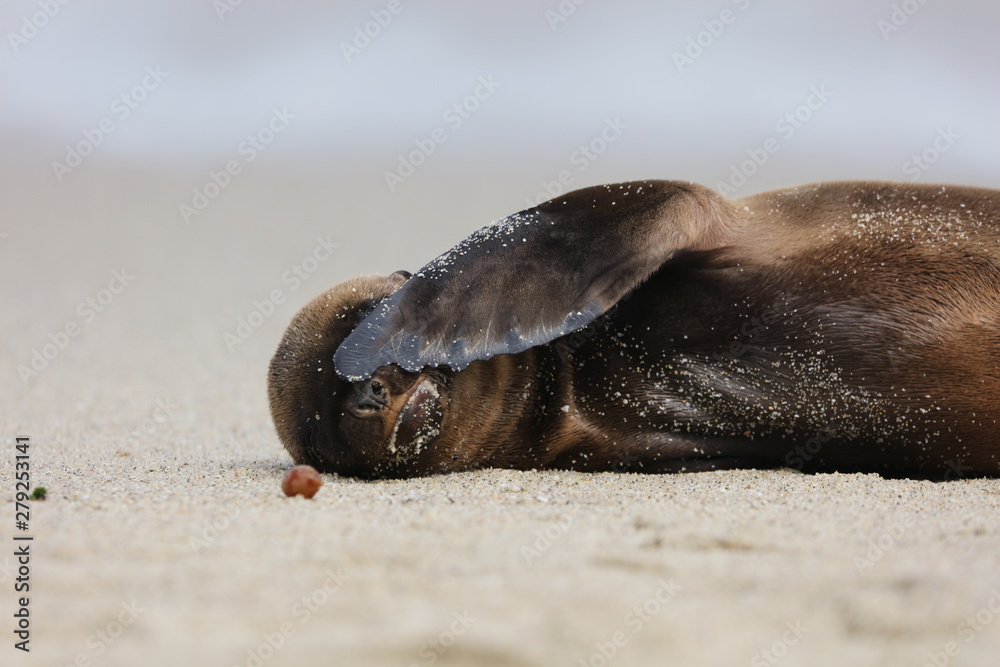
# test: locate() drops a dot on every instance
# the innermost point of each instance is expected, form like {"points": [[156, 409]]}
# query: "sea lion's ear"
{"points": [[534, 276]]}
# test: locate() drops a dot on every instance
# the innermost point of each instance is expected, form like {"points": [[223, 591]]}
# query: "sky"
{"points": [[738, 94]]}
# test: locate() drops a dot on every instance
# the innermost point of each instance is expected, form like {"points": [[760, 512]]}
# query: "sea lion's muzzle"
{"points": [[418, 415], [410, 407]]}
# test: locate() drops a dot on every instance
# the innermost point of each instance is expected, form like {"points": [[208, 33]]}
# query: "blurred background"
{"points": [[217, 150]]}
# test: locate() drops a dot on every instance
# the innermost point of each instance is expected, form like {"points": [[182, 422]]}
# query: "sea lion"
{"points": [[657, 326]]}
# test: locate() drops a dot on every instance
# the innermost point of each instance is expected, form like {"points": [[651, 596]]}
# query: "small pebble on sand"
{"points": [[301, 480]]}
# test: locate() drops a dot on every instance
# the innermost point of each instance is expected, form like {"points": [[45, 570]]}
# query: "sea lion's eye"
{"points": [[379, 391]]}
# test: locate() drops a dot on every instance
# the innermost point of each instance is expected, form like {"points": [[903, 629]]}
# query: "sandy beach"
{"points": [[165, 538]]}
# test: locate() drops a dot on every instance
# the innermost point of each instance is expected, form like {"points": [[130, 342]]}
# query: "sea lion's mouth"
{"points": [[418, 421]]}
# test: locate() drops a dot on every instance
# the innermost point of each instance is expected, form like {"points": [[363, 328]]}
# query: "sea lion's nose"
{"points": [[371, 395]]}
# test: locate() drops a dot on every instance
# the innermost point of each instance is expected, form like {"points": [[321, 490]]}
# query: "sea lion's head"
{"points": [[378, 427]]}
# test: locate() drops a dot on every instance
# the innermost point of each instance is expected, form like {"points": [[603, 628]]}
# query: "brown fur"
{"points": [[843, 326]]}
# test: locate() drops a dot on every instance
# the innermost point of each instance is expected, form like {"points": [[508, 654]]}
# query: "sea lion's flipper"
{"points": [[534, 276]]}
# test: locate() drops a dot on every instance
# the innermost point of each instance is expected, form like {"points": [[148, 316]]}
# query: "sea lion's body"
{"points": [[845, 326]]}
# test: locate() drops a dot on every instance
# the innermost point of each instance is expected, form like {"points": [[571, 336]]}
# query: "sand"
{"points": [[165, 538]]}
